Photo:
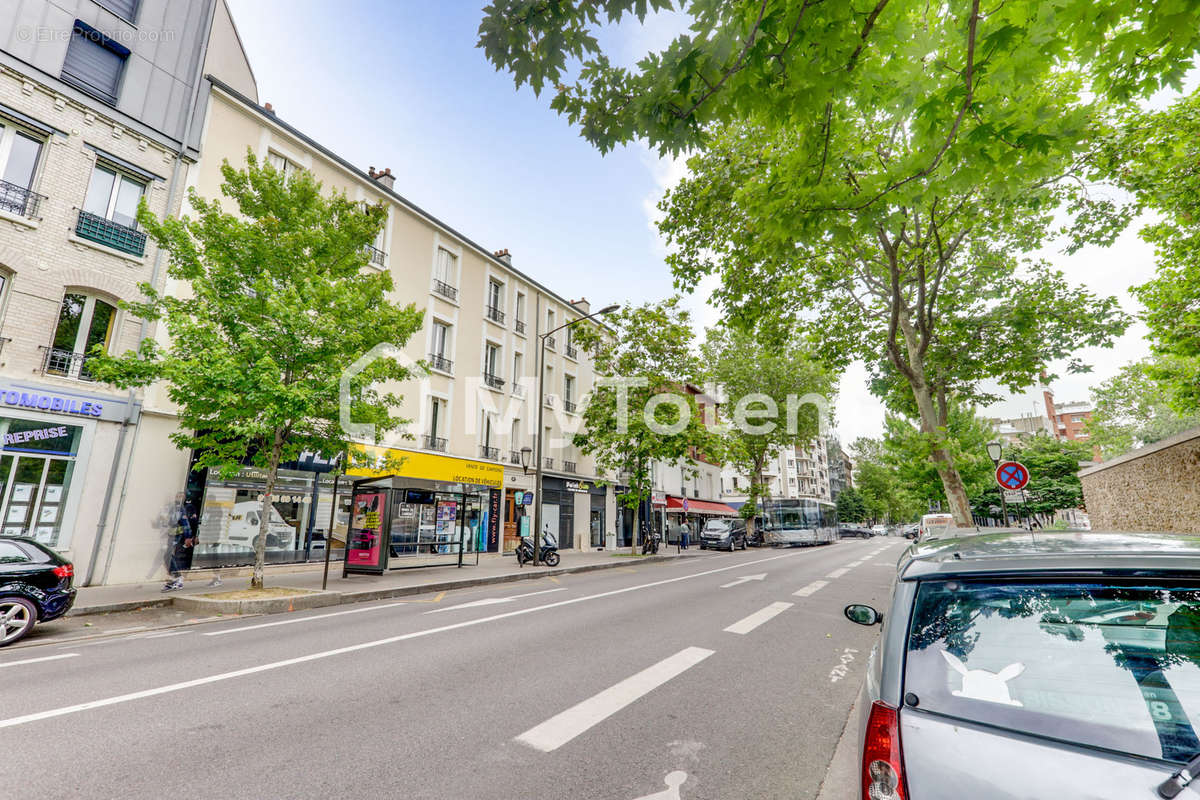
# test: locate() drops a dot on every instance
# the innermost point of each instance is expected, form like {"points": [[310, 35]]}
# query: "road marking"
{"points": [[354, 648], [562, 728], [36, 660], [744, 626], [673, 781], [162, 635], [737, 581], [294, 620], [837, 573], [491, 601], [811, 589], [853, 564]]}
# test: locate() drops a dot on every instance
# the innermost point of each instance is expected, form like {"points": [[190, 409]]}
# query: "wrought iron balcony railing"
{"points": [[493, 381], [65, 364], [514, 457], [445, 290], [377, 256], [547, 463], [569, 406], [19, 200], [520, 326], [435, 443], [569, 466], [572, 352], [495, 314], [490, 453], [549, 342], [110, 234], [440, 362]]}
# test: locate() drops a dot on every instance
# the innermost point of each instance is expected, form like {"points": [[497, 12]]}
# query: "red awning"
{"points": [[675, 506]]}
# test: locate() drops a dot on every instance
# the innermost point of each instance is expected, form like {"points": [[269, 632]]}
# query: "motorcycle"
{"points": [[650, 544], [549, 553]]}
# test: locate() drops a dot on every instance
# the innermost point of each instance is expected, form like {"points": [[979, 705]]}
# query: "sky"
{"points": [[400, 84]]}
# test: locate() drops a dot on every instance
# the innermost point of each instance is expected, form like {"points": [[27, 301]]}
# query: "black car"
{"points": [[723, 534], [35, 586], [850, 532]]}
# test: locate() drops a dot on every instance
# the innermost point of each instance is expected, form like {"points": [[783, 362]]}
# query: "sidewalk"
{"points": [[492, 568]]}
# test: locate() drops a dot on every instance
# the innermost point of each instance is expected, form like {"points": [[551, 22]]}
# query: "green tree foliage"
{"points": [[907, 450], [1053, 477], [877, 482], [646, 352], [1133, 409], [756, 374], [1156, 155], [278, 302], [850, 506]]}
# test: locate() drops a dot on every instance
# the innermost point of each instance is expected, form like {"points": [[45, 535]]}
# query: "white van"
{"points": [[935, 526], [243, 527]]}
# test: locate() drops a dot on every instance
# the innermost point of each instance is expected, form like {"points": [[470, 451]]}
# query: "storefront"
{"points": [[693, 514], [558, 510]]}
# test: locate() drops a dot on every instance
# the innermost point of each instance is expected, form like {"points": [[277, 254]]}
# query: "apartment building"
{"points": [[794, 473], [96, 114]]}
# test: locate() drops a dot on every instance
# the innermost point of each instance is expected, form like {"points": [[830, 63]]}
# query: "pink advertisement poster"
{"points": [[366, 530]]}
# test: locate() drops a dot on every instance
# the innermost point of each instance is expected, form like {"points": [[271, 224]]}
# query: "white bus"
{"points": [[793, 523]]}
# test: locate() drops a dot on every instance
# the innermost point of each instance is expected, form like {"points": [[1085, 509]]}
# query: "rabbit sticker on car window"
{"points": [[982, 684]]}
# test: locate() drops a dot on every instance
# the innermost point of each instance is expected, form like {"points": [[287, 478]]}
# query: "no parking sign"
{"points": [[1012, 475]]}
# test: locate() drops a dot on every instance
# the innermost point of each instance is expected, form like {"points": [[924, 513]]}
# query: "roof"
{"points": [[1064, 552]]}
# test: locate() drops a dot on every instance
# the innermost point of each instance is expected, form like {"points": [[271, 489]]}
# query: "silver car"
{"points": [[1027, 665]]}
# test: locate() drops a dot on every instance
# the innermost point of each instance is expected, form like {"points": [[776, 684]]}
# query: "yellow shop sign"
{"points": [[429, 467]]}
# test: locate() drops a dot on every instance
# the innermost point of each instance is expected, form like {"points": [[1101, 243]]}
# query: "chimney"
{"points": [[270, 109], [504, 256], [384, 177], [582, 306]]}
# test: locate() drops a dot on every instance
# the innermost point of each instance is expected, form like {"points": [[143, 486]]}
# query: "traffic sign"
{"points": [[1012, 475], [1014, 497]]}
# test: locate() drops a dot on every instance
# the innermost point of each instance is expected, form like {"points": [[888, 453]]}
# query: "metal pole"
{"points": [[329, 533], [537, 480]]}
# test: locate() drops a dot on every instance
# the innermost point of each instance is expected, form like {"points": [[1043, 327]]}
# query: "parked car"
{"points": [[879, 530], [850, 532], [1073, 655], [723, 534], [35, 586]]}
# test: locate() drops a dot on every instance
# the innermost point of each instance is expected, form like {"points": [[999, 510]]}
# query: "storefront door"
{"points": [[597, 527]]}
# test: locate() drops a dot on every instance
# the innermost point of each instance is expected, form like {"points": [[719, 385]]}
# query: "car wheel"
{"points": [[17, 617]]}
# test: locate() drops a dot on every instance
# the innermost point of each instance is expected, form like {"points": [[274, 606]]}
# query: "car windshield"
{"points": [[717, 526], [1111, 666]]}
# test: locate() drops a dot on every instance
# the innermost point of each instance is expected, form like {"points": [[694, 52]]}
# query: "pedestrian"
{"points": [[684, 535], [179, 547]]}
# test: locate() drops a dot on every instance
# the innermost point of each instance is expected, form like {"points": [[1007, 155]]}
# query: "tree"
{"points": [[850, 505], [1133, 409], [1156, 156], [279, 302], [1053, 477], [771, 389], [639, 412], [906, 449]]}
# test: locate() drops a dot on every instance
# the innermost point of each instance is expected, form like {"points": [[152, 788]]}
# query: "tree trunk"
{"points": [[264, 520], [943, 462], [633, 545], [756, 484]]}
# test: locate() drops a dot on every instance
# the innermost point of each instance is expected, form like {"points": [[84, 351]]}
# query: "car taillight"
{"points": [[65, 571], [882, 770]]}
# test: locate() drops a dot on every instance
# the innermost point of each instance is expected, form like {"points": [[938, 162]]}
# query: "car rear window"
{"points": [[1111, 666], [12, 553]]}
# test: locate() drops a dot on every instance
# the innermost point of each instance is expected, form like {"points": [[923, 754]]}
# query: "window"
{"points": [[569, 392], [83, 322], [19, 156], [282, 165], [439, 347], [518, 364], [10, 553], [495, 302], [491, 366], [446, 268], [437, 413], [113, 196], [125, 9], [94, 62], [520, 308]]}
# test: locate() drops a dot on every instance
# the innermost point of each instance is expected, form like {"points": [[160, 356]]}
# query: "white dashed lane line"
{"points": [[812, 588], [37, 660], [744, 626], [294, 620], [837, 573]]}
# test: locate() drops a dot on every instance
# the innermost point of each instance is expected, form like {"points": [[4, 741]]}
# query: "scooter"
{"points": [[549, 553], [650, 544]]}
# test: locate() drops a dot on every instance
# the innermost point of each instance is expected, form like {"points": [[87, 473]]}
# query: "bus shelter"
{"points": [[399, 522]]}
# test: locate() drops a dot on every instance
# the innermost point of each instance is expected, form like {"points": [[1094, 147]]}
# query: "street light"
{"points": [[995, 451], [526, 452], [541, 406]]}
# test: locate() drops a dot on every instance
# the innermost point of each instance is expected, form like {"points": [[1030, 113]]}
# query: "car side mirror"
{"points": [[862, 615]]}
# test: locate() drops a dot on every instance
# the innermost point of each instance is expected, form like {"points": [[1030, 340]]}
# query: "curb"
{"points": [[277, 605]]}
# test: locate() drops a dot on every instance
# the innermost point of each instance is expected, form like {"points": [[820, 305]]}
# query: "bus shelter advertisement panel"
{"points": [[365, 548]]}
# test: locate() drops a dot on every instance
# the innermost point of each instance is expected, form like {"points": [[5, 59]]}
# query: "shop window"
{"points": [[84, 321], [37, 462]]}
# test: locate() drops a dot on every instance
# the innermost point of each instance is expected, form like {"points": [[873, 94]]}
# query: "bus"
{"points": [[794, 523]]}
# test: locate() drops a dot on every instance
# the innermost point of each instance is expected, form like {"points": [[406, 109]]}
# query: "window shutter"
{"points": [[126, 9], [91, 66]]}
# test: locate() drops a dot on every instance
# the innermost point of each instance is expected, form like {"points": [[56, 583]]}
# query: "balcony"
{"points": [[441, 363], [110, 234], [569, 466], [518, 390], [514, 457], [493, 381], [495, 315], [445, 290], [435, 443], [65, 364], [378, 257], [19, 200], [547, 463], [549, 342], [569, 406], [489, 453], [572, 352], [520, 326]]}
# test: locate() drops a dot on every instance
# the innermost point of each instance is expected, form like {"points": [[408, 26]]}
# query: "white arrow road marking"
{"points": [[837, 573], [491, 601], [673, 781], [811, 589], [751, 622], [294, 620], [562, 728], [760, 576], [36, 660]]}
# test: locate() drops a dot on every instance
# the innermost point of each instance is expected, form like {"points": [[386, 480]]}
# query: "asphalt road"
{"points": [[653, 681]]}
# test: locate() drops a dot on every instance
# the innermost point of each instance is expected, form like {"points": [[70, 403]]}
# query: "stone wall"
{"points": [[1155, 488]]}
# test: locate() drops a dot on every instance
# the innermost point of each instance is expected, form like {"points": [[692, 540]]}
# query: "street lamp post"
{"points": [[541, 406], [995, 451]]}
